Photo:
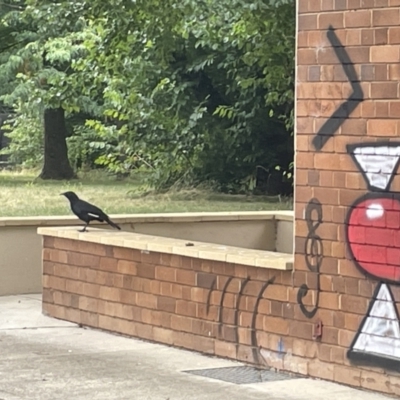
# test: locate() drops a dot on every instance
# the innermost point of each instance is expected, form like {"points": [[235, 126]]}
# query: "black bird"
{"points": [[87, 212]]}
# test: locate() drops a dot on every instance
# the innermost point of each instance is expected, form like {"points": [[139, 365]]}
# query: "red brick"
{"points": [[162, 335], [206, 280], [181, 323], [127, 267], [48, 268], [375, 381], [108, 264], [333, 18], [55, 255], [146, 300], [165, 274], [389, 17], [109, 293], [73, 315], [186, 277], [124, 253], [145, 270], [394, 35], [353, 37], [166, 304], [48, 295], [88, 304], [89, 319], [64, 244], [300, 329], [66, 271], [93, 248], [54, 282], [357, 19], [353, 304], [307, 22], [306, 56], [276, 325], [83, 260], [327, 5], [48, 242], [329, 300], [224, 349], [381, 36], [187, 308], [388, 54], [394, 71], [367, 37], [319, 369], [382, 127], [394, 109], [178, 291], [144, 331]]}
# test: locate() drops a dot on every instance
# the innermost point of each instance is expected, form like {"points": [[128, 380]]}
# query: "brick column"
{"points": [[347, 211]]}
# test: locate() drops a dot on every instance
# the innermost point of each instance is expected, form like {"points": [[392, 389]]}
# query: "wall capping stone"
{"points": [[194, 249]]}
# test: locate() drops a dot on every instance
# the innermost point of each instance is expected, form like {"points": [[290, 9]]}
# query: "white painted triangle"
{"points": [[380, 332], [377, 345], [384, 294], [378, 163]]}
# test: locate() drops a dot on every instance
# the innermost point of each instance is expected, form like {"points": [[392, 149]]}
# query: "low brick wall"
{"points": [[210, 306], [220, 308]]}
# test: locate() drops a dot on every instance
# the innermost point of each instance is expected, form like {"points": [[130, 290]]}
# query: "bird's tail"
{"points": [[113, 224]]}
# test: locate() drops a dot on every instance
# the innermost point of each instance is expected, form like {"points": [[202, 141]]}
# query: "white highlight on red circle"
{"points": [[375, 210]]}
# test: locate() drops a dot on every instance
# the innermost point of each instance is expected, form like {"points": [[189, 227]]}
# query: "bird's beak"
{"points": [[62, 194]]}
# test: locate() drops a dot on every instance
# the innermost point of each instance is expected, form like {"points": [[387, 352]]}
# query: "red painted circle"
{"points": [[373, 233]]}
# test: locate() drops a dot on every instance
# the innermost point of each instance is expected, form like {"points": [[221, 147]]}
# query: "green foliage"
{"points": [[188, 91], [25, 150]]}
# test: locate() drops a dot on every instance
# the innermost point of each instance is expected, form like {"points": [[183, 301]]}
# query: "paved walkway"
{"points": [[47, 359]]}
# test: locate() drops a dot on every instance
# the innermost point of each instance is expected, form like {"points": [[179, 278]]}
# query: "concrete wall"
{"points": [[21, 246]]}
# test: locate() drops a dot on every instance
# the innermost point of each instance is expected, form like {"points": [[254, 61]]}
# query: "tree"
{"points": [[188, 90], [38, 77], [56, 164]]}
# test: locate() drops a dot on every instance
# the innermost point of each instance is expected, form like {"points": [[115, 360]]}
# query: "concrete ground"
{"points": [[47, 359]]}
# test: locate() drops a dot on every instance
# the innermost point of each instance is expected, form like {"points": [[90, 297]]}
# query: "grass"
{"points": [[22, 194]]}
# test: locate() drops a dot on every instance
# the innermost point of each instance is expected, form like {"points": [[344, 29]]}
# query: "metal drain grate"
{"points": [[242, 375]]}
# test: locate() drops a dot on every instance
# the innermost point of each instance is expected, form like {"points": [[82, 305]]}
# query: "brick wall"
{"points": [[213, 307], [244, 313], [347, 231], [347, 211]]}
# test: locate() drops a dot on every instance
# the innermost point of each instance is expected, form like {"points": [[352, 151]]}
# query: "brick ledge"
{"points": [[195, 249]]}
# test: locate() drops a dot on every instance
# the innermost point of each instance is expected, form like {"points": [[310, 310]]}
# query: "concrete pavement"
{"points": [[46, 359]]}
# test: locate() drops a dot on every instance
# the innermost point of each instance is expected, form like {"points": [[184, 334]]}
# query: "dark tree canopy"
{"points": [[187, 91]]}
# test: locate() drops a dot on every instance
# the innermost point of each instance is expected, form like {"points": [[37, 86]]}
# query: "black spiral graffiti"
{"points": [[254, 341], [213, 284], [243, 284], [313, 254], [221, 304], [240, 294]]}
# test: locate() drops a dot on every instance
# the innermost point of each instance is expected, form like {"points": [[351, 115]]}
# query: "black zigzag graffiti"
{"points": [[336, 120]]}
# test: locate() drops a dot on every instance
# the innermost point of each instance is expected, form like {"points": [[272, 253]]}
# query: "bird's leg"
{"points": [[84, 228]]}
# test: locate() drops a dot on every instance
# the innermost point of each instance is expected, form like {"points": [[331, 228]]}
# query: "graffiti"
{"points": [[330, 127], [373, 239], [378, 339], [313, 254], [377, 162], [243, 283]]}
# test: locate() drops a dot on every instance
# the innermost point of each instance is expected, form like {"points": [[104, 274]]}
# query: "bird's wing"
{"points": [[85, 207]]}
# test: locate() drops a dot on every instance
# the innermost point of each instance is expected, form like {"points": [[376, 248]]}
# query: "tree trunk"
{"points": [[56, 163]]}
